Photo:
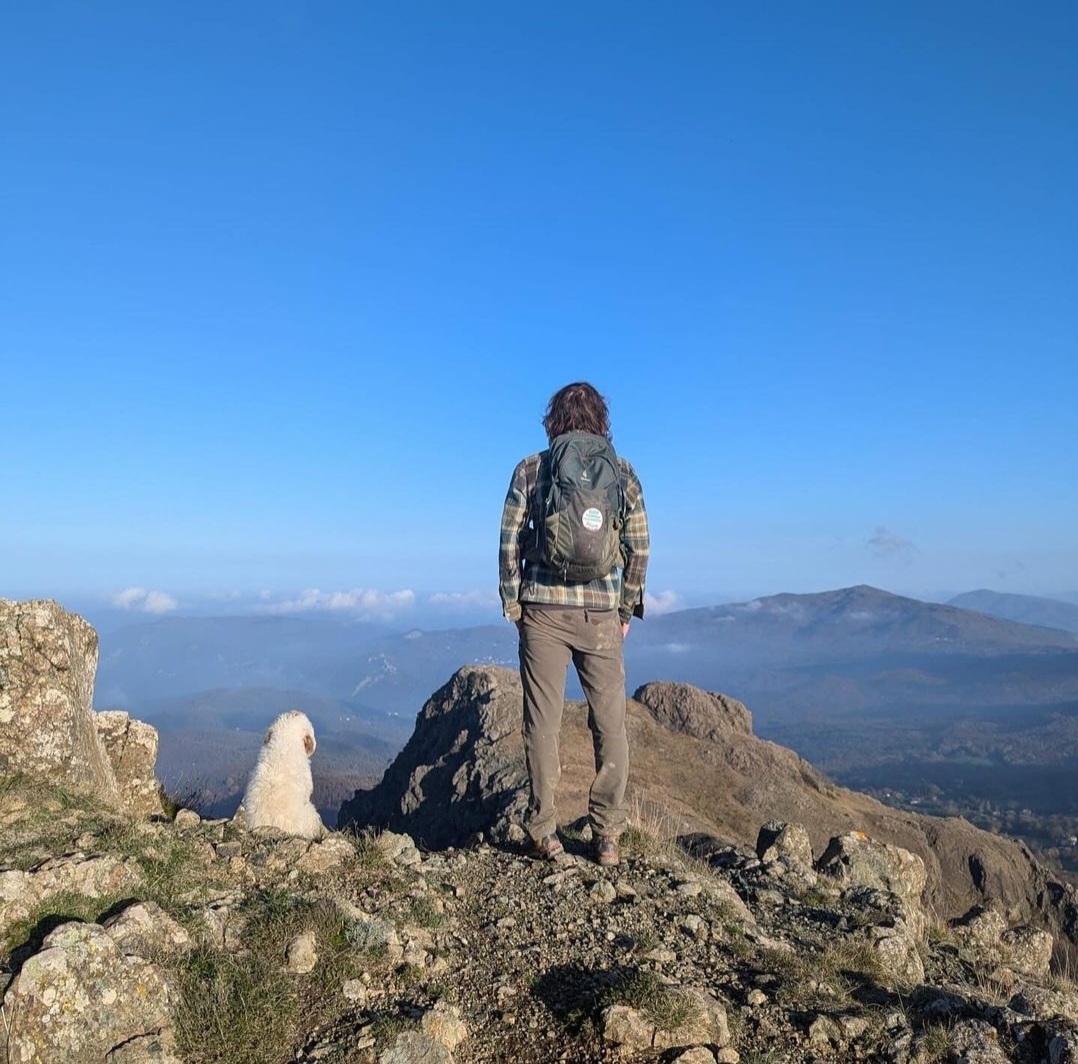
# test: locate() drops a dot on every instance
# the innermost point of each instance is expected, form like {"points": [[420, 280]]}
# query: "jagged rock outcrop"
{"points": [[855, 858], [48, 658], [684, 708], [131, 746], [784, 842], [48, 729], [463, 771]]}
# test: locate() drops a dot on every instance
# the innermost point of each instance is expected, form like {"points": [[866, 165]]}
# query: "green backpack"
{"points": [[579, 523]]}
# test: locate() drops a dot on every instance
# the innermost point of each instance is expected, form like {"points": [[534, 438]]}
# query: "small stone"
{"points": [[976, 1042], [661, 955], [756, 998], [1028, 950], [443, 1024], [625, 1026], [603, 891], [727, 1055], [332, 853], [770, 897], [355, 991], [694, 1055], [413, 1047], [778, 840], [824, 1031], [301, 954], [695, 925], [1063, 1048], [187, 818], [228, 849], [144, 929], [415, 957], [852, 1027]]}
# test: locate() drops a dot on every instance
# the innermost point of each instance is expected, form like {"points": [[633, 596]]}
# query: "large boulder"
{"points": [[48, 658], [81, 1001], [96, 876], [463, 769], [779, 841], [48, 729], [702, 714], [855, 859], [131, 746]]}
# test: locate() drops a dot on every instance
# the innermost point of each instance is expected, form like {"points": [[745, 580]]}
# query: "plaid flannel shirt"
{"points": [[523, 579]]}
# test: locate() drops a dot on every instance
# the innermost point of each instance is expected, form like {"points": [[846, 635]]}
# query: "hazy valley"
{"points": [[929, 706]]}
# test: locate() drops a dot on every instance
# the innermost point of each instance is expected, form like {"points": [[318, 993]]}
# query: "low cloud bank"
{"points": [[363, 601], [661, 602], [141, 600]]}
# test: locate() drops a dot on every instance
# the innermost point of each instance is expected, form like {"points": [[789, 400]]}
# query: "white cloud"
{"points": [[891, 546], [159, 602], [464, 599], [138, 598], [663, 602], [363, 601]]}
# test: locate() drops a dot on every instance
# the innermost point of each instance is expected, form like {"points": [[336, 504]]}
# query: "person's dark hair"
{"points": [[577, 407]]}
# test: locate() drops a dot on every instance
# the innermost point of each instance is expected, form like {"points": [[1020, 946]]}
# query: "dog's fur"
{"points": [[280, 788]]}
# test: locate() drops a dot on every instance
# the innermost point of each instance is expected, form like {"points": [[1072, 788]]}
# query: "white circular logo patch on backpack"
{"points": [[592, 519]]}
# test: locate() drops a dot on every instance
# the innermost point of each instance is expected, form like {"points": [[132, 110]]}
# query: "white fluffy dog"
{"points": [[279, 791]]}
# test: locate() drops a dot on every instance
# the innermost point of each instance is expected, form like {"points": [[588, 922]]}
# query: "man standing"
{"points": [[573, 556]]}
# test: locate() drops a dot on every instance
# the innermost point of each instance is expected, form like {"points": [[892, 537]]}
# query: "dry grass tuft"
{"points": [[652, 830], [664, 1006]]}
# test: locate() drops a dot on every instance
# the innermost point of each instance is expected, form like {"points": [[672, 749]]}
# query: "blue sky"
{"points": [[284, 288]]}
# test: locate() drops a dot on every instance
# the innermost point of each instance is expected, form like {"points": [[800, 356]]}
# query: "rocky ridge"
{"points": [[367, 950], [697, 768], [127, 937]]}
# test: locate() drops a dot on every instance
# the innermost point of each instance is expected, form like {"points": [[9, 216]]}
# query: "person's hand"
{"points": [[624, 629]]}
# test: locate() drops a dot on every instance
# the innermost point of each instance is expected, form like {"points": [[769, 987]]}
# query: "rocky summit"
{"points": [[697, 770], [130, 936]]}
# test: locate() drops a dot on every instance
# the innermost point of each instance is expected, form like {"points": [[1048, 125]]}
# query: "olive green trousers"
{"points": [[591, 639]]}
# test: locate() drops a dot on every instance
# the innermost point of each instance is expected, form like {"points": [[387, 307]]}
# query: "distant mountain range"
{"points": [[1027, 609], [841, 676], [147, 662]]}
